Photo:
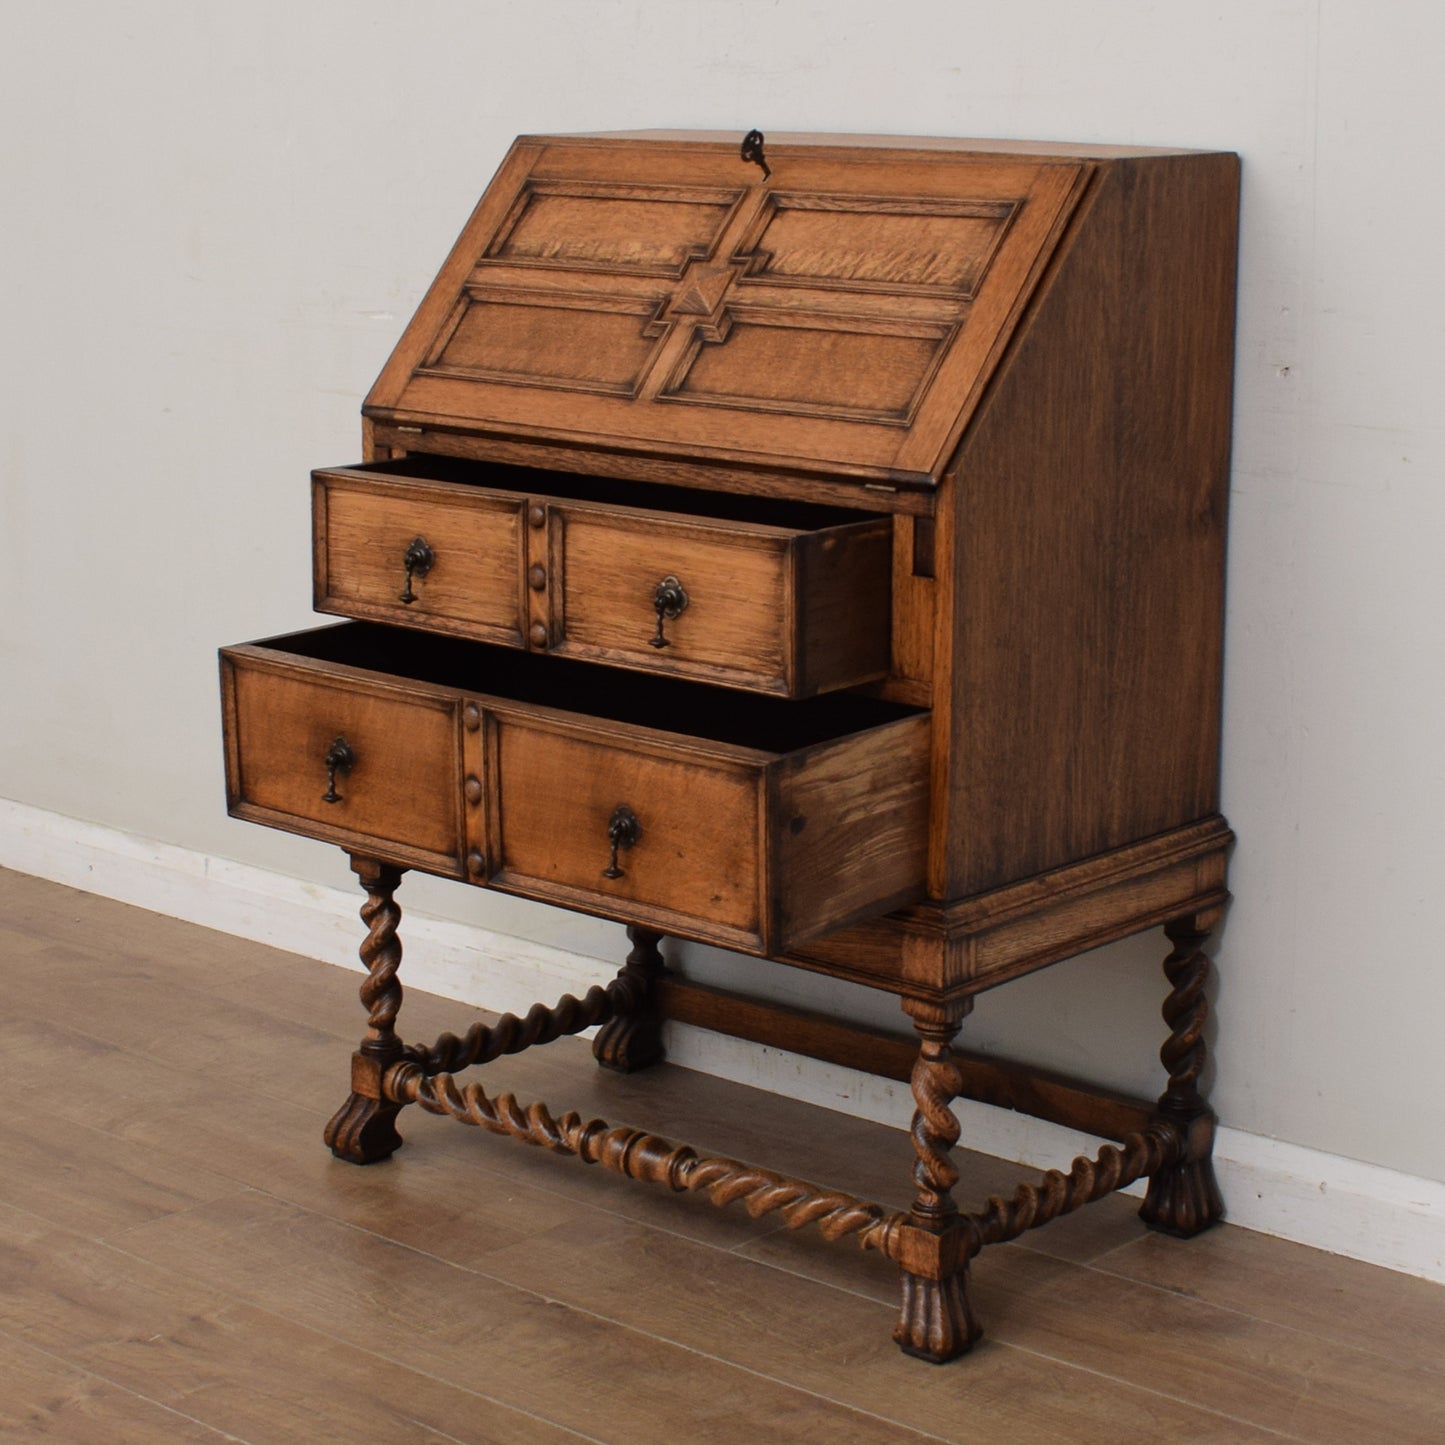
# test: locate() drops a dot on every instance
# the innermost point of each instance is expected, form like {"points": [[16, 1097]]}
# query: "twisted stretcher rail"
{"points": [[424, 1077], [1056, 1193], [648, 1157], [511, 1035]]}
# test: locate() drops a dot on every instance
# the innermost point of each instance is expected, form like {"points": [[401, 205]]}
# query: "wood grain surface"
{"points": [[402, 788], [1037, 344], [784, 599], [1082, 543], [662, 297], [363, 526], [757, 844]]}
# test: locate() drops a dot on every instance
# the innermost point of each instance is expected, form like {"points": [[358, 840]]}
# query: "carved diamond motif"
{"points": [[702, 289]]}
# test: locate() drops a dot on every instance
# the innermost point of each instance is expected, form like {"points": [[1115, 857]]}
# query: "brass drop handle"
{"points": [[670, 601], [339, 759], [623, 830], [419, 560]]}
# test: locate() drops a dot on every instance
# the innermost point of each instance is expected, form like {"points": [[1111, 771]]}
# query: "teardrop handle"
{"points": [[339, 759], [418, 560], [670, 601], [623, 831]]}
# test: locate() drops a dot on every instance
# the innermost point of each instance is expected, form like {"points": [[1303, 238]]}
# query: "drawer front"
{"points": [[366, 764], [456, 553], [756, 831], [692, 861], [779, 606], [727, 605]]}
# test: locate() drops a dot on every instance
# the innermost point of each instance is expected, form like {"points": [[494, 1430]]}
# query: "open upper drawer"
{"points": [[746, 592], [658, 295]]}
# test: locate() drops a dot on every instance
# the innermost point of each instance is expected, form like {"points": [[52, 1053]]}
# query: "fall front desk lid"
{"points": [[661, 295]]}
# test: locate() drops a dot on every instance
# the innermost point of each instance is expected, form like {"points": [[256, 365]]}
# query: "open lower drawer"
{"points": [[776, 597], [739, 820]]}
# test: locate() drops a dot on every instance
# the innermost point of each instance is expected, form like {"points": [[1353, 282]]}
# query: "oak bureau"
{"points": [[815, 547]]}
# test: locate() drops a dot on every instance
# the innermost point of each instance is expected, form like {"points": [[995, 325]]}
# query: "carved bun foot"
{"points": [[936, 1322], [632, 1038], [626, 1045], [1183, 1201], [363, 1130]]}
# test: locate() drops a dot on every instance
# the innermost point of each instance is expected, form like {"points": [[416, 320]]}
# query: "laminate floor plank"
{"points": [[1289, 1377], [839, 1344], [270, 1139], [60, 1072], [45, 1399], [534, 1350], [197, 1350], [128, 934], [1325, 1295], [17, 944], [87, 1181], [1279, 1378], [182, 1024]]}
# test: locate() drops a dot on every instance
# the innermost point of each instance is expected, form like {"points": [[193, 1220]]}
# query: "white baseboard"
{"points": [[1314, 1198]]}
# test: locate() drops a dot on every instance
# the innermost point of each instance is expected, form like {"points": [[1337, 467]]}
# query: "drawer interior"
{"points": [[742, 719], [612, 491]]}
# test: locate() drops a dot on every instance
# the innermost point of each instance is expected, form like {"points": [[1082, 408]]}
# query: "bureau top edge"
{"points": [[869, 141]]}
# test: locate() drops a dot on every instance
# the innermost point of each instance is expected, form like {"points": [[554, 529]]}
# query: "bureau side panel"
{"points": [[1085, 541]]}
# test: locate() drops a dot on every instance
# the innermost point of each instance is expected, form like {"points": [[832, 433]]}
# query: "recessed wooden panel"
{"points": [[365, 527], [898, 245], [841, 318], [646, 230], [586, 343], [697, 853], [606, 570], [844, 368]]}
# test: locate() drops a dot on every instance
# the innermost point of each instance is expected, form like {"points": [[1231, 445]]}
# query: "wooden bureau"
{"points": [[815, 547]]}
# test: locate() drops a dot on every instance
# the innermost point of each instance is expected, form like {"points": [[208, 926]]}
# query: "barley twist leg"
{"points": [[1183, 1198], [363, 1129], [936, 1321]]}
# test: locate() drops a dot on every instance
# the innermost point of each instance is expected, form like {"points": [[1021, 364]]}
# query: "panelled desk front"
{"points": [[814, 548]]}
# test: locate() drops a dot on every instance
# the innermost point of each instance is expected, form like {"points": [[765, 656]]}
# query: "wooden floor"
{"points": [[182, 1260]]}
